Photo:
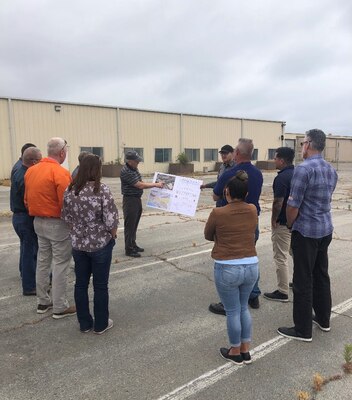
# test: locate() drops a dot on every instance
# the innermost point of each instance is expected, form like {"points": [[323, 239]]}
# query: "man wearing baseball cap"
{"points": [[226, 153], [132, 187]]}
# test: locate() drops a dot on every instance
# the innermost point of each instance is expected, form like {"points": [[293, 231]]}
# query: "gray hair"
{"points": [[317, 138], [245, 147], [31, 156], [55, 146]]}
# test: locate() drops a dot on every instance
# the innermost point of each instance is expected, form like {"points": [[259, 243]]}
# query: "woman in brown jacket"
{"points": [[232, 228]]}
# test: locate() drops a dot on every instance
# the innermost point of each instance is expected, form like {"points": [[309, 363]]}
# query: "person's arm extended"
{"points": [[291, 215], [276, 209], [148, 185]]}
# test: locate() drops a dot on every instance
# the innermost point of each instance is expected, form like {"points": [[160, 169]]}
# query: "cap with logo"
{"points": [[133, 155], [226, 149]]}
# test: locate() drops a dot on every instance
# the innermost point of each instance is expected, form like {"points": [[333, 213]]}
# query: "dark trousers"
{"points": [[311, 281], [96, 263], [23, 225], [132, 211]]}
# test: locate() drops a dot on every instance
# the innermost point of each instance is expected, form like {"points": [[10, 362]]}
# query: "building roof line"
{"points": [[138, 109]]}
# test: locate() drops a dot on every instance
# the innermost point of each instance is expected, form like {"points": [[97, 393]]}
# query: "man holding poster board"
{"points": [[132, 187]]}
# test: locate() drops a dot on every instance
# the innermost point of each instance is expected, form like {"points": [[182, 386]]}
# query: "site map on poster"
{"points": [[179, 194]]}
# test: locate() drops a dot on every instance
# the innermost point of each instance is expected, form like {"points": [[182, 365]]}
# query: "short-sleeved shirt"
{"points": [[281, 189], [91, 216], [312, 186], [45, 184], [17, 191], [255, 183], [129, 177], [223, 167]]}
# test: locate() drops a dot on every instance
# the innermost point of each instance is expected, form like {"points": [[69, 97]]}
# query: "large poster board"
{"points": [[179, 194]]}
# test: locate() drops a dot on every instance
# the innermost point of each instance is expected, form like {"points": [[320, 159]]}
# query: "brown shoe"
{"points": [[66, 313]]}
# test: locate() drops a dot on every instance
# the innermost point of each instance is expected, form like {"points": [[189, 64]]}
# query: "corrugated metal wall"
{"points": [[114, 129]]}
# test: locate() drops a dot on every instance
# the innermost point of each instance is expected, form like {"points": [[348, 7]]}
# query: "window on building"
{"points": [[193, 154], [139, 150], [99, 151], [210, 154], [271, 154], [163, 155], [255, 155]]}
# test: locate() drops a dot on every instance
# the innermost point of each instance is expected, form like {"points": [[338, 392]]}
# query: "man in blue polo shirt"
{"points": [[242, 155], [280, 234], [309, 216]]}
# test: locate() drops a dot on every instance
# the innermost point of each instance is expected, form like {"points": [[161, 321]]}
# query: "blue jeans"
{"points": [[95, 263], [234, 283], [23, 225]]}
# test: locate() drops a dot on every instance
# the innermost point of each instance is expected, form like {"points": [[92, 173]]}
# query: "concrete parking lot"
{"points": [[165, 343]]}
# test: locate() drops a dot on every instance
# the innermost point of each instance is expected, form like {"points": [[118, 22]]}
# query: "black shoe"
{"points": [[235, 359], [290, 285], [138, 249], [247, 359], [132, 254], [291, 333], [254, 302], [320, 326], [30, 293], [43, 308], [217, 308], [277, 296]]}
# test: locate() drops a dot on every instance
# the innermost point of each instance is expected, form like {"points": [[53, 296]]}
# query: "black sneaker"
{"points": [[290, 285], [138, 249], [320, 326], [276, 296], [132, 254], [254, 302], [235, 359], [43, 308], [247, 359], [217, 308], [291, 333]]}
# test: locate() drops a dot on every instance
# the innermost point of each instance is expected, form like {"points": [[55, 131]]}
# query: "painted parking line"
{"points": [[159, 262], [137, 267], [215, 375]]}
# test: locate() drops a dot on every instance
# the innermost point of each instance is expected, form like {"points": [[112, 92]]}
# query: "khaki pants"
{"points": [[54, 255], [281, 239]]}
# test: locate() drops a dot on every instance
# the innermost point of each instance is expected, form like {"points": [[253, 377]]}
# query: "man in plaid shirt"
{"points": [[309, 216]]}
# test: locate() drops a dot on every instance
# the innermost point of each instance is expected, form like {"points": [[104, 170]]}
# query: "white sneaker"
{"points": [[110, 325]]}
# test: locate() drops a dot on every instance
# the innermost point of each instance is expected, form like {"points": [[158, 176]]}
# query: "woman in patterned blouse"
{"points": [[91, 213]]}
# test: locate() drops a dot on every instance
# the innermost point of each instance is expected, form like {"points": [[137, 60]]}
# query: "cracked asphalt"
{"points": [[163, 335]]}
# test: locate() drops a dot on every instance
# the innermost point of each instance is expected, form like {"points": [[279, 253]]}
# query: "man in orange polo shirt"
{"points": [[45, 184]]}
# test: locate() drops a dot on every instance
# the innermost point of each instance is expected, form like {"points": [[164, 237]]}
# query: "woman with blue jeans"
{"points": [[232, 228], [91, 213]]}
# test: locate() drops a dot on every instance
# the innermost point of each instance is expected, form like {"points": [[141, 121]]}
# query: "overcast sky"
{"points": [[261, 59]]}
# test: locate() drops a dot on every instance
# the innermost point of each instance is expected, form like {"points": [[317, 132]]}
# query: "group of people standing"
{"points": [[301, 224], [57, 216]]}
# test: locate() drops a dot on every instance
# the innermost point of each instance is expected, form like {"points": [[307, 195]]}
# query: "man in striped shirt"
{"points": [[132, 187]]}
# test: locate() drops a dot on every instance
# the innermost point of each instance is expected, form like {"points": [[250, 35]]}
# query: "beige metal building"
{"points": [[110, 131]]}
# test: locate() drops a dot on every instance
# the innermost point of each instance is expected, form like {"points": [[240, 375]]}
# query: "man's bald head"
{"points": [[31, 156]]}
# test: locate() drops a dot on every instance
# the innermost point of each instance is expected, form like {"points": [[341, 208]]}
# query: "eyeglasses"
{"points": [[306, 141], [65, 145]]}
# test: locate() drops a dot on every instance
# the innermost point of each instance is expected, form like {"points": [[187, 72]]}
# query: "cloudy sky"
{"points": [[262, 59]]}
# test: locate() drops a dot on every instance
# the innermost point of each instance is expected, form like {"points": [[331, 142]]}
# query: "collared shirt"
{"points": [[17, 190], [281, 189], [91, 216], [129, 177], [255, 183], [223, 167], [312, 186], [45, 184], [16, 166]]}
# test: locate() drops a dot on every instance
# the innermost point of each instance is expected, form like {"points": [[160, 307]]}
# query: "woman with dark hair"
{"points": [[91, 213], [232, 228]]}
